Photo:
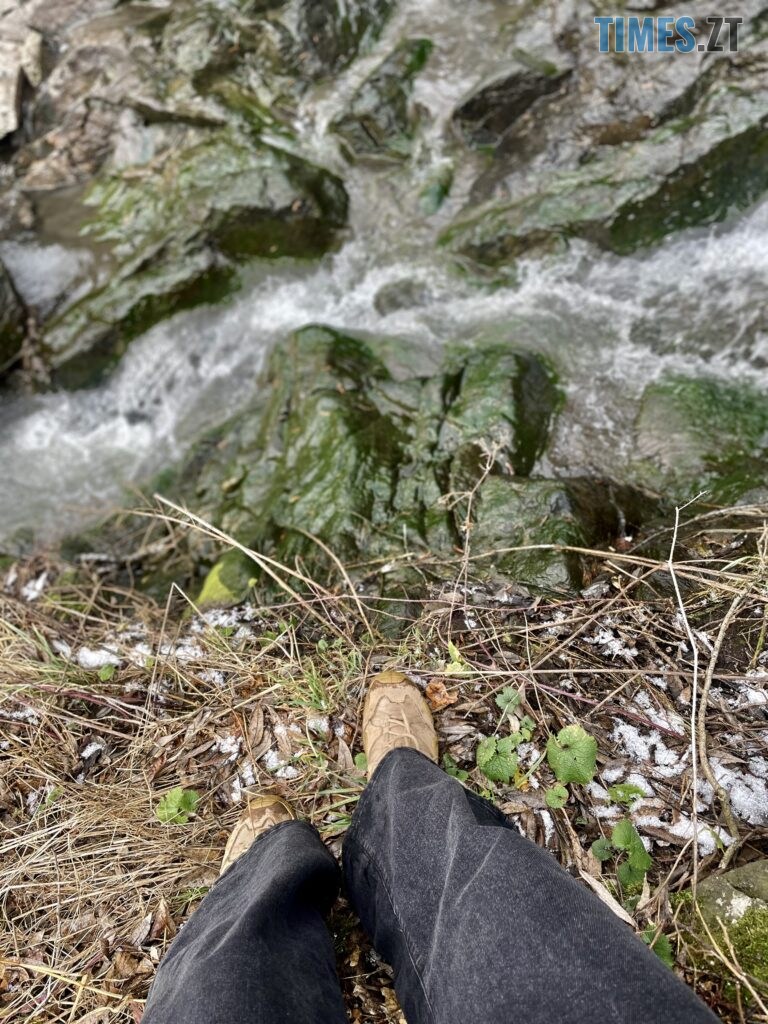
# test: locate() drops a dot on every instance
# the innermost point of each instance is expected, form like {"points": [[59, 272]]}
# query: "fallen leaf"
{"points": [[439, 696], [602, 894], [163, 926]]}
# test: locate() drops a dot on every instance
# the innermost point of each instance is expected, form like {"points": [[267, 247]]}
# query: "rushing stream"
{"points": [[609, 323]]}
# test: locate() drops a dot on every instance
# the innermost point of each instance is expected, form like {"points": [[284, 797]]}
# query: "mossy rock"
{"points": [[521, 513], [737, 902], [179, 237], [12, 321], [365, 445], [695, 434], [689, 171], [379, 119]]}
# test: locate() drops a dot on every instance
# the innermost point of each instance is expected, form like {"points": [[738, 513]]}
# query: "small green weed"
{"points": [[177, 805]]}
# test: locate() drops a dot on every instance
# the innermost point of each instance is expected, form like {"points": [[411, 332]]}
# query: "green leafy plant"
{"points": [[557, 796], [661, 945], [457, 666], [177, 805], [496, 758], [361, 763], [626, 793], [450, 767], [572, 755], [508, 699], [106, 672], [626, 846]]}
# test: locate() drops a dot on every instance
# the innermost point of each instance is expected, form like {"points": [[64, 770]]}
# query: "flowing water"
{"points": [[610, 324]]}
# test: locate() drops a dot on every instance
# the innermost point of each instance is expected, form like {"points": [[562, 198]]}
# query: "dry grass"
{"points": [[94, 885]]}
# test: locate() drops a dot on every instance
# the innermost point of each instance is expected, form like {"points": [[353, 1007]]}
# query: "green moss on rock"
{"points": [[178, 240], [698, 434]]}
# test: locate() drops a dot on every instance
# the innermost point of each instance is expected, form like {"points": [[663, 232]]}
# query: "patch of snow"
{"points": [[24, 715], [610, 645], [228, 745], [213, 675], [10, 578], [319, 725], [553, 627], [650, 749], [683, 829], [273, 760], [36, 796], [62, 647], [549, 825], [611, 775], [666, 719], [740, 904], [236, 793], [636, 779], [34, 588], [748, 794], [93, 659], [90, 749], [657, 681], [247, 774], [138, 655], [287, 772], [188, 650]]}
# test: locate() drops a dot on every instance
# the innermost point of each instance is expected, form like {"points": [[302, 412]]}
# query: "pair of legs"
{"points": [[480, 925]]}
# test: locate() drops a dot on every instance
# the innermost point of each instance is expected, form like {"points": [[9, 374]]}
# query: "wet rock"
{"points": [[364, 444], [524, 513], [20, 62], [333, 32], [12, 321], [379, 119], [701, 434], [619, 159], [486, 117], [212, 204]]}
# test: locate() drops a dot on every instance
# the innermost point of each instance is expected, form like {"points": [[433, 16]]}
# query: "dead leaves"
{"points": [[439, 696]]}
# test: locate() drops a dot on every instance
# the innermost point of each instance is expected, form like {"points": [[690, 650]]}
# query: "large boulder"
{"points": [[621, 159], [701, 434], [217, 201], [367, 446]]}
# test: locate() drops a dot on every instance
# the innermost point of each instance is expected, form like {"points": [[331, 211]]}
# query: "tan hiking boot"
{"points": [[261, 813], [396, 715]]}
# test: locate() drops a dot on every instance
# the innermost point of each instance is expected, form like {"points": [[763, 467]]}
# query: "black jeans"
{"points": [[480, 925]]}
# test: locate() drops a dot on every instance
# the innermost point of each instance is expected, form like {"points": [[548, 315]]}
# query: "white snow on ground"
{"points": [[23, 715], [229, 745], [275, 763], [91, 749], [748, 793], [610, 645], [32, 590], [683, 828], [659, 716], [649, 749], [319, 725], [93, 659]]}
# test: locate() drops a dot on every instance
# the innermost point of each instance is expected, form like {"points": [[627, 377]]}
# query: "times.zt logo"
{"points": [[716, 34]]}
